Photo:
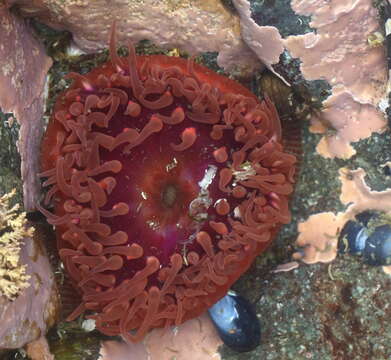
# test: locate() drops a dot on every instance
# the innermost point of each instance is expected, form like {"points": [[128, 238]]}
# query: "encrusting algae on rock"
{"points": [[29, 301], [13, 229]]}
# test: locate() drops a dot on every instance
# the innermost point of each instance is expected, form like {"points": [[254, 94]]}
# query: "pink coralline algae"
{"points": [[265, 41], [191, 26], [351, 121], [339, 52], [26, 312], [23, 69], [196, 340], [318, 236], [28, 293]]}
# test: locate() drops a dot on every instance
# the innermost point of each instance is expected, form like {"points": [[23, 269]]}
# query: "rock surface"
{"points": [[192, 26], [23, 69]]}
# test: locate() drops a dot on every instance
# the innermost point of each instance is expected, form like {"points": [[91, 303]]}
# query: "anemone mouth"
{"points": [[165, 193], [169, 195], [168, 180]]}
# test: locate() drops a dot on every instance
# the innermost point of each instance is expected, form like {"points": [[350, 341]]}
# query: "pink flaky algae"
{"points": [[265, 41], [23, 69], [196, 339], [340, 53], [318, 236], [351, 120]]}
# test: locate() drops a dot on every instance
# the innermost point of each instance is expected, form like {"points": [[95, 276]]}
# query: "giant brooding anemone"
{"points": [[167, 180]]}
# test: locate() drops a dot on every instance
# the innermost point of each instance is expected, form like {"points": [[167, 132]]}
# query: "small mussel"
{"points": [[236, 322], [352, 238], [387, 169], [369, 236]]}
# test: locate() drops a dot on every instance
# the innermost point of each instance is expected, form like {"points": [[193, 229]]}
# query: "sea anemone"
{"points": [[167, 180]]}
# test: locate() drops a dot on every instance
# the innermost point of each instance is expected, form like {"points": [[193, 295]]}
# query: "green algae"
{"points": [[10, 176]]}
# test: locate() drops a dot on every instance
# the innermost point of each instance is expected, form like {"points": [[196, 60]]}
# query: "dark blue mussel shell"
{"points": [[368, 236], [236, 322], [352, 238], [378, 246]]}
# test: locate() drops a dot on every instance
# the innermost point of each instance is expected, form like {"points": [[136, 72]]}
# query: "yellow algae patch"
{"points": [[13, 230]]}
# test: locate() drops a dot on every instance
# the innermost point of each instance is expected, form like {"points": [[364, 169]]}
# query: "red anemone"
{"points": [[168, 180]]}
